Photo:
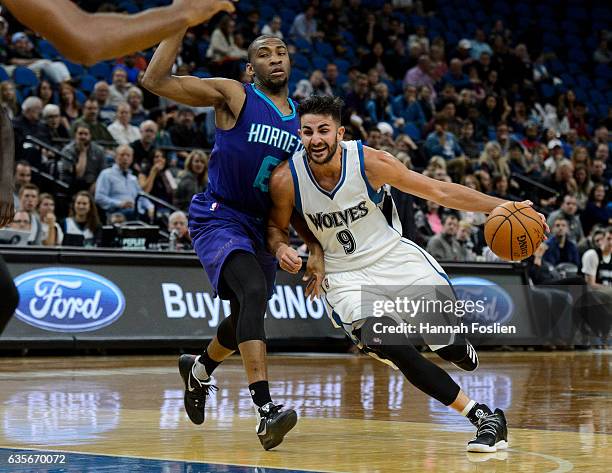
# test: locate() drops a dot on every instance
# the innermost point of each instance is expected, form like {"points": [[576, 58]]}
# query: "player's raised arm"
{"points": [[219, 93], [382, 168], [91, 37]]}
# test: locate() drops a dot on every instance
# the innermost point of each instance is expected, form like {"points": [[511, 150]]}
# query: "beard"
{"points": [[328, 158], [274, 85]]}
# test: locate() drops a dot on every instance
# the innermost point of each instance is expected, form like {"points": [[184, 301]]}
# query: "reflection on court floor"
{"points": [[356, 415]]}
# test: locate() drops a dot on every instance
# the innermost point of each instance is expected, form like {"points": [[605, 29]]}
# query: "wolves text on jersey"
{"points": [[340, 218]]}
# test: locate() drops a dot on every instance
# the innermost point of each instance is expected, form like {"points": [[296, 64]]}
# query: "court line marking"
{"points": [[55, 450], [564, 465]]}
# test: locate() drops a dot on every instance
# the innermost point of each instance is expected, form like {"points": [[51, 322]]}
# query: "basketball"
{"points": [[514, 231]]}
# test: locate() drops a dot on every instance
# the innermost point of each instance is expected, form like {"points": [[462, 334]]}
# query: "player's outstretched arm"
{"points": [[382, 168], [7, 158], [88, 38], [223, 94]]}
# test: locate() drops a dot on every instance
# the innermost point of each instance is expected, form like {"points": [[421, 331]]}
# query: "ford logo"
{"points": [[67, 300], [498, 304]]}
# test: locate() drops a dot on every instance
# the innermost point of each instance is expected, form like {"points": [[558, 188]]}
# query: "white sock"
{"points": [[199, 370], [468, 408]]}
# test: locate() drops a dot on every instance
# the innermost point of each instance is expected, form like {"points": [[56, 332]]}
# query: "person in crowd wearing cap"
{"points": [[463, 52], [22, 53], [89, 38], [555, 149]]}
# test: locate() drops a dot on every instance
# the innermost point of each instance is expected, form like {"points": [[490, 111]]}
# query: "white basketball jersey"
{"points": [[348, 221]]}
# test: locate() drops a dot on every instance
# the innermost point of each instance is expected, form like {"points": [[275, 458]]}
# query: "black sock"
{"points": [[208, 363], [476, 412], [260, 392]]}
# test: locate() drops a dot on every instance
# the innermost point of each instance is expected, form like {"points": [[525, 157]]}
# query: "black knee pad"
{"points": [[250, 325], [226, 333]]}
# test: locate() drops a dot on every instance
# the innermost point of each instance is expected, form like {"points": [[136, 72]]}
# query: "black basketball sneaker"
{"points": [[462, 354], [273, 424], [196, 391], [491, 434]]}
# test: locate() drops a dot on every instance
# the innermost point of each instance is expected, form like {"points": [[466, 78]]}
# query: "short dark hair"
{"points": [[263, 37], [322, 105]]}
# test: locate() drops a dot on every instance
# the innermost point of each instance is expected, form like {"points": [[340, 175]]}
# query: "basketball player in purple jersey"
{"points": [[256, 129]]}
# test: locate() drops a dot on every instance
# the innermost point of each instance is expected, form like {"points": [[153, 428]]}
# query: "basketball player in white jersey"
{"points": [[338, 186]]}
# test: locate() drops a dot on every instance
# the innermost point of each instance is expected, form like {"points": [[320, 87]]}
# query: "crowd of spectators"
{"points": [[490, 107]]}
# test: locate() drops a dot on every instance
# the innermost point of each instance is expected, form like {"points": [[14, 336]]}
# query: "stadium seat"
{"points": [[343, 65], [80, 96], [602, 84], [302, 45], [129, 7], [88, 82], [547, 91], [413, 131], [202, 74], [324, 49], [585, 83], [3, 75], [597, 97], [76, 70], [319, 62], [101, 71], [47, 50], [301, 62], [24, 77]]}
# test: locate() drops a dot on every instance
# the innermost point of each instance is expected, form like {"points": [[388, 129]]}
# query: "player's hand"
{"points": [[315, 272], [542, 217], [199, 11], [289, 259], [7, 208]]}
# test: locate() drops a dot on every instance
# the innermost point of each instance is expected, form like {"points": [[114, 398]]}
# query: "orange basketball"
{"points": [[514, 231]]}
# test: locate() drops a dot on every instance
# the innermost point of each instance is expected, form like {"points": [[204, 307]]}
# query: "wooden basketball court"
{"points": [[356, 415]]}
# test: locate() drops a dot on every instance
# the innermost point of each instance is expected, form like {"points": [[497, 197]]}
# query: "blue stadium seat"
{"points": [[597, 97], [602, 109], [297, 75], [585, 83], [267, 12], [88, 82], [575, 69], [301, 62], [547, 91], [101, 71], [324, 49], [24, 77], [581, 95], [302, 45], [578, 56], [76, 70], [413, 131], [129, 7], [47, 50], [202, 74], [343, 65], [80, 96], [602, 84], [603, 71], [556, 67], [3, 75], [319, 62]]}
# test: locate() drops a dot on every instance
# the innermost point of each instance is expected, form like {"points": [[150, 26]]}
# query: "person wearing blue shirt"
{"points": [[117, 188], [456, 76], [407, 106], [441, 142], [559, 248]]}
